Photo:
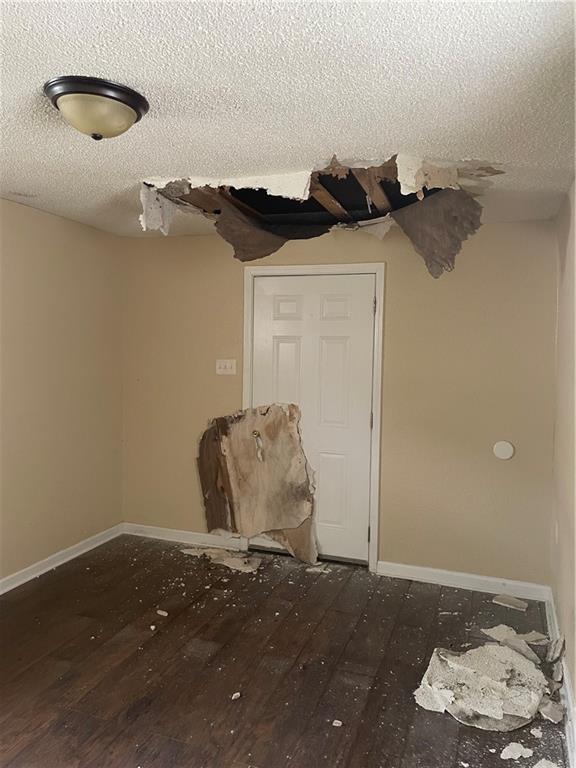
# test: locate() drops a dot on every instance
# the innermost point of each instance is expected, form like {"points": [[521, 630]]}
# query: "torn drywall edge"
{"points": [[157, 210], [415, 173], [376, 227], [294, 185]]}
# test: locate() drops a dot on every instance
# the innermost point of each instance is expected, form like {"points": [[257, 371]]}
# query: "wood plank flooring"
{"points": [[91, 676]]}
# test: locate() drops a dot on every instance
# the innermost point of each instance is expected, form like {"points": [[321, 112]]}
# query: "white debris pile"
{"points": [[493, 687], [497, 687], [236, 561]]}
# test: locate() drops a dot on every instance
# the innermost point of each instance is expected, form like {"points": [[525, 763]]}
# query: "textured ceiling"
{"points": [[257, 88]]}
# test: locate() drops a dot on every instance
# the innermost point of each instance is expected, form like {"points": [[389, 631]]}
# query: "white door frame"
{"points": [[378, 270]]}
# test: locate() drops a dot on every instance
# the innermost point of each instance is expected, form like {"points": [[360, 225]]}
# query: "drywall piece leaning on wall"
{"points": [[434, 204], [256, 480]]}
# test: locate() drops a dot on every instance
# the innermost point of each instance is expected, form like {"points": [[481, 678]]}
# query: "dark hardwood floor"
{"points": [[85, 680]]}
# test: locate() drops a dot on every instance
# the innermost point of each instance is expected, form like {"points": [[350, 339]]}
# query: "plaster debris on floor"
{"points": [[492, 687], [551, 710], [433, 202], [535, 638], [256, 479], [556, 649], [515, 751], [499, 687], [546, 764], [320, 568], [236, 561], [508, 636]]}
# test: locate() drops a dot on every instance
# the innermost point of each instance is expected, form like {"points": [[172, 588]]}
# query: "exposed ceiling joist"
{"points": [[370, 184], [243, 206], [327, 201]]}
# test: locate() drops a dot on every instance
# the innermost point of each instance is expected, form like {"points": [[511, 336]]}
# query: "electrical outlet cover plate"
{"points": [[226, 367]]}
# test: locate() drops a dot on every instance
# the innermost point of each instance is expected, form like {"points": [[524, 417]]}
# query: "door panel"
{"points": [[313, 345]]}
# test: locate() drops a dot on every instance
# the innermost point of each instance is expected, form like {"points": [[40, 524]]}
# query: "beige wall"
{"points": [[61, 387], [468, 360], [564, 542]]}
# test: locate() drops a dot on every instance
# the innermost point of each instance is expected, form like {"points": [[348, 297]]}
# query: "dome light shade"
{"points": [[99, 108]]}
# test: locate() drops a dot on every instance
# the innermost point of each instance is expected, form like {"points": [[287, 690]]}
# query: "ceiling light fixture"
{"points": [[99, 108]]}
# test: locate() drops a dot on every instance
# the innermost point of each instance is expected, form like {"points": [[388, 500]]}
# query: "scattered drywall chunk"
{"points": [[337, 723], [552, 710], [558, 671], [160, 612], [157, 210], [242, 564], [556, 649], [546, 764], [534, 638], [320, 568], [510, 602], [235, 695], [536, 732], [514, 751], [274, 495], [236, 561], [438, 225], [508, 636], [415, 174], [492, 687]]}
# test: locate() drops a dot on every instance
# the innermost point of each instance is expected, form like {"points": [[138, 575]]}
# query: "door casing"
{"points": [[378, 270]]}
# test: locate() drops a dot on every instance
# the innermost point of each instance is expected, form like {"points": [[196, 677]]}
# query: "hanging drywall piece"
{"points": [[378, 227], [438, 225], [157, 210], [256, 480]]}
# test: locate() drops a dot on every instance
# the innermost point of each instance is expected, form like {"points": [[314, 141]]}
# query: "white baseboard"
{"points": [[231, 541], [567, 689], [475, 582], [58, 558], [225, 541]]}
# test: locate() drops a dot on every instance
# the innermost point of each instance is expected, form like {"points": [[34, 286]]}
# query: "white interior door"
{"points": [[313, 345]]}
